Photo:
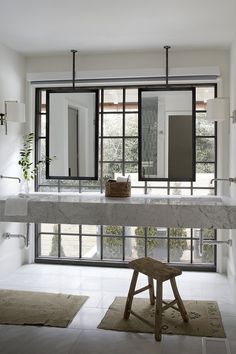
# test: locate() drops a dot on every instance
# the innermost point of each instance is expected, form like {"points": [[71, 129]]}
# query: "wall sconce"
{"points": [[218, 110], [14, 112]]}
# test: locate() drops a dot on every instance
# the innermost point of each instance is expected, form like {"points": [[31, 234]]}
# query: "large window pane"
{"points": [[43, 102], [115, 230], [112, 125], [112, 149], [179, 250], [202, 95], [131, 149], [131, 124], [131, 168], [204, 175], [179, 245], [42, 126], [131, 99], [110, 169], [52, 228], [205, 149], [207, 256], [134, 248], [48, 245], [91, 229], [113, 100], [91, 247], [205, 168], [70, 246], [70, 229], [157, 248], [112, 247], [204, 127], [207, 234]]}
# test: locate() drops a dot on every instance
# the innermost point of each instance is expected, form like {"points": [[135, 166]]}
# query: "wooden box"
{"points": [[117, 189]]}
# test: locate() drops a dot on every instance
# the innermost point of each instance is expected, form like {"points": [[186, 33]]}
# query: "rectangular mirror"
{"points": [[72, 133], [167, 134]]}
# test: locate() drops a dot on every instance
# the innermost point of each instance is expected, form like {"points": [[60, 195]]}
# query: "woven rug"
{"points": [[204, 318], [35, 308]]}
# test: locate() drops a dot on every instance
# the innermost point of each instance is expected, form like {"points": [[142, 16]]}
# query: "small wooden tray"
{"points": [[117, 189]]}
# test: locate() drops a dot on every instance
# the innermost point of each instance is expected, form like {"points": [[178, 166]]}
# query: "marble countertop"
{"points": [[146, 210]]}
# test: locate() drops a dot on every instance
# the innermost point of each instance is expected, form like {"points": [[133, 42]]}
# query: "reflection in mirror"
{"points": [[167, 134], [72, 133]]}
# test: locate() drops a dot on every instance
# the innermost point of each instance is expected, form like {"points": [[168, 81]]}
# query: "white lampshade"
{"points": [[15, 112], [217, 109]]}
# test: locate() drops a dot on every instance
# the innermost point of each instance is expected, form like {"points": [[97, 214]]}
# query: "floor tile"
{"points": [[88, 318], [37, 340], [109, 342], [102, 285]]}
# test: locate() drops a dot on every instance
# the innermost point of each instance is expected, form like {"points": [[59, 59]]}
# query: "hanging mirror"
{"points": [[167, 132], [72, 132]]}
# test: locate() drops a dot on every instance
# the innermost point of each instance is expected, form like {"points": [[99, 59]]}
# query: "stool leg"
{"points": [[179, 300], [158, 314], [151, 291], [130, 295]]}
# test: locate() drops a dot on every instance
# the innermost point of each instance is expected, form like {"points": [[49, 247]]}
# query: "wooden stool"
{"points": [[161, 272]]}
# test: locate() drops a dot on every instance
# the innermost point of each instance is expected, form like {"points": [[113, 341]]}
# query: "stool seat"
{"points": [[155, 269], [159, 272]]}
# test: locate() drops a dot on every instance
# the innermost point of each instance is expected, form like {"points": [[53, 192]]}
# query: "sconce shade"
{"points": [[15, 112], [217, 109]]}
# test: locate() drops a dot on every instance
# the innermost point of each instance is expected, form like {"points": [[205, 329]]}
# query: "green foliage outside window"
{"points": [[113, 246], [177, 246], [151, 244], [208, 250], [155, 247]]}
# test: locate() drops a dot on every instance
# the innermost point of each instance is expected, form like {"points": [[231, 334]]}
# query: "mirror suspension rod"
{"points": [[73, 51], [167, 47]]}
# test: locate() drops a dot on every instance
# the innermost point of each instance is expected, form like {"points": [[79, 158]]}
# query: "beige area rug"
{"points": [[35, 308], [204, 318]]}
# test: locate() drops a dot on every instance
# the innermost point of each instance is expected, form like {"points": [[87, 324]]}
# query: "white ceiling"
{"points": [[54, 26]]}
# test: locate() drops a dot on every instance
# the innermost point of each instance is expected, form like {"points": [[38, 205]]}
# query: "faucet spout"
{"points": [[9, 177], [230, 179]]}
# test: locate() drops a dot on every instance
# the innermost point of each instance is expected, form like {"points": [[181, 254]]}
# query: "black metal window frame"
{"points": [[160, 89], [59, 185]]}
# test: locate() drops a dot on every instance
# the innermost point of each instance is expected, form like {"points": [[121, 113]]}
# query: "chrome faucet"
{"points": [[8, 177], [224, 179]]}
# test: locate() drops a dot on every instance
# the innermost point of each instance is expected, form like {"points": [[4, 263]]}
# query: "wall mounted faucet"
{"points": [[8, 235], [224, 179], [9, 177], [203, 242]]}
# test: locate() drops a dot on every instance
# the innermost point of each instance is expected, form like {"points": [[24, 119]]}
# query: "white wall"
{"points": [[12, 87], [232, 160]]}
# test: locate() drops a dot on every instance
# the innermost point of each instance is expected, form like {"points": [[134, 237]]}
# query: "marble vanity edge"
{"points": [[115, 212]]}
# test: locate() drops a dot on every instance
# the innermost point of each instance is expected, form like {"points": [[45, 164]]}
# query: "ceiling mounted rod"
{"points": [[73, 51], [167, 47]]}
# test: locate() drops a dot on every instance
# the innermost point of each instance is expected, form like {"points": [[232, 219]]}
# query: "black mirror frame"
{"points": [[167, 88], [96, 132]]}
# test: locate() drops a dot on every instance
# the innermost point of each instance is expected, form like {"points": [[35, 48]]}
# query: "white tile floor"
{"points": [[102, 285]]}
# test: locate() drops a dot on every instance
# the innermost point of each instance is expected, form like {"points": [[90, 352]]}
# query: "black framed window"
{"points": [[118, 155]]}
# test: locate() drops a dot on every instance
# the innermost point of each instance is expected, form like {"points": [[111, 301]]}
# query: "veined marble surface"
{"points": [[96, 209]]}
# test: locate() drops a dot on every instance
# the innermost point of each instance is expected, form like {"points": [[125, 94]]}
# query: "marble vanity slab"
{"points": [[96, 209]]}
